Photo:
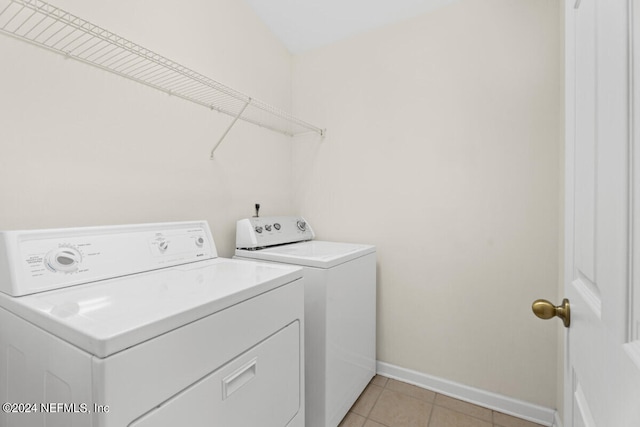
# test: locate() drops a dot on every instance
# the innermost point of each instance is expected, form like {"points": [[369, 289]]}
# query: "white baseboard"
{"points": [[507, 405]]}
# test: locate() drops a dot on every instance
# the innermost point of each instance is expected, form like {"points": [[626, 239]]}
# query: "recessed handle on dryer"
{"points": [[240, 377]]}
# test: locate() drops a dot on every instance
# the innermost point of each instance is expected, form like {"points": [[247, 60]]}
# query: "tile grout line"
{"points": [[433, 405], [374, 404], [493, 412], [435, 397]]}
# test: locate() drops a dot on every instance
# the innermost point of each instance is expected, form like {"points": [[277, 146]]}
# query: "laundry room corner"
{"points": [[446, 156], [441, 146]]}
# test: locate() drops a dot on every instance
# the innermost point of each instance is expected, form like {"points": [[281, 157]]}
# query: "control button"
{"points": [[163, 245], [267, 227], [199, 241], [302, 225], [65, 259], [276, 226], [258, 229]]}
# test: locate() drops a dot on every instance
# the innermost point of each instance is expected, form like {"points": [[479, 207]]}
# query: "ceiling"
{"points": [[303, 25]]}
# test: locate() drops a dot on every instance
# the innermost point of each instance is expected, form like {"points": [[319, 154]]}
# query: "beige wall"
{"points": [[79, 146], [443, 150]]}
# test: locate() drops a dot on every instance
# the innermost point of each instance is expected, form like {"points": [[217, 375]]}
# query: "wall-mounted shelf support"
{"points": [[235, 119], [47, 26]]}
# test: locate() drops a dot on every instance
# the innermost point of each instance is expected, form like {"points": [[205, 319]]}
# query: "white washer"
{"points": [[144, 326], [340, 309]]}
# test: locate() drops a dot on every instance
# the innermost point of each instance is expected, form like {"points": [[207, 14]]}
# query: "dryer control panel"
{"points": [[260, 232], [40, 260]]}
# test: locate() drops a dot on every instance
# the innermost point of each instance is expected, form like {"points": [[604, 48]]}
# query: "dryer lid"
{"points": [[105, 317]]}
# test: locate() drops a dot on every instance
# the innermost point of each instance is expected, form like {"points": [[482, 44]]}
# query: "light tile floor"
{"points": [[390, 403]]}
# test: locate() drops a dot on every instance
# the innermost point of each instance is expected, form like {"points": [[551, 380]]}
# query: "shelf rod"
{"points": [[235, 119]]}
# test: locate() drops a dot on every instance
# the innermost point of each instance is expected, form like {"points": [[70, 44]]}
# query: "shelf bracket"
{"points": [[235, 119]]}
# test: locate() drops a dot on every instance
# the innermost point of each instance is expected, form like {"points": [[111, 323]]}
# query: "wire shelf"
{"points": [[47, 26]]}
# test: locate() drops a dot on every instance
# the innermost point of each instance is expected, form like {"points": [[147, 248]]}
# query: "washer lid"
{"points": [[315, 253], [109, 316]]}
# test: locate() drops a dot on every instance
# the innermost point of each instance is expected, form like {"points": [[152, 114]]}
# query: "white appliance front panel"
{"points": [[315, 253], [259, 388], [43, 368], [38, 367], [350, 293], [340, 325], [157, 370], [340, 338], [108, 316]]}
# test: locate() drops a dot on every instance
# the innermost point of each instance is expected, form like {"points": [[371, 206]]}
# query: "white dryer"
{"points": [[340, 309], [144, 326]]}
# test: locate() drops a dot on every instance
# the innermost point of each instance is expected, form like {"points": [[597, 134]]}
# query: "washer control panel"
{"points": [[40, 260], [259, 232]]}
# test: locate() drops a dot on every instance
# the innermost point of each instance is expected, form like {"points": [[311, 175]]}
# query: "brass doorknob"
{"points": [[545, 310]]}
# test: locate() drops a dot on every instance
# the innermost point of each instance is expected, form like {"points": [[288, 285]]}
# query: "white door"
{"points": [[602, 363]]}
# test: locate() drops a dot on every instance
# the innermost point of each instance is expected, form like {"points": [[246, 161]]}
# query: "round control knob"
{"points": [[258, 229], [276, 226], [199, 241], [302, 226], [267, 227], [65, 259], [163, 245]]}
